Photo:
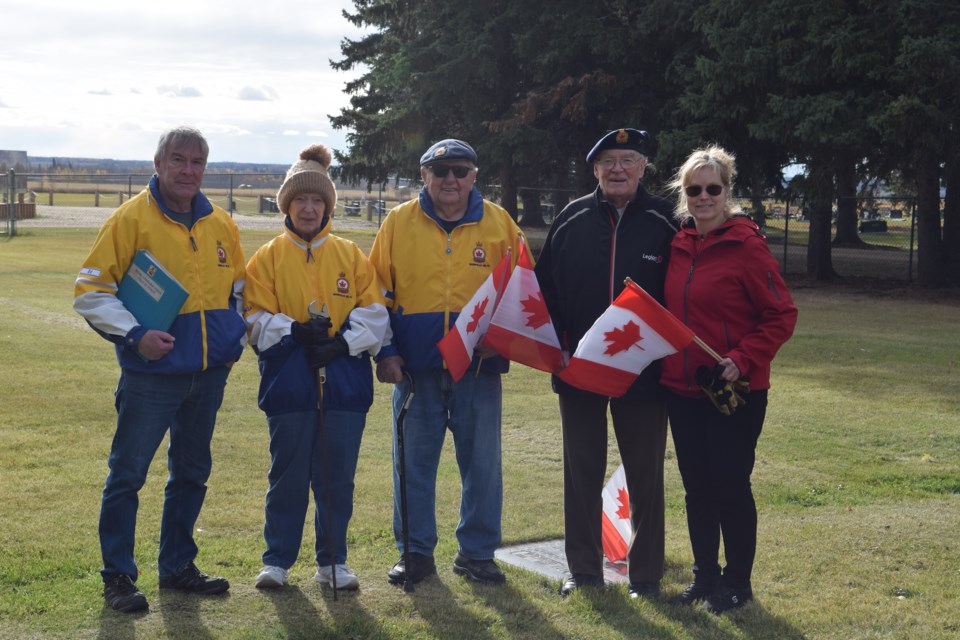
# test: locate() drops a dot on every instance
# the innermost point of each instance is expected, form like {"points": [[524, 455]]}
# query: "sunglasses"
{"points": [[441, 170], [694, 190]]}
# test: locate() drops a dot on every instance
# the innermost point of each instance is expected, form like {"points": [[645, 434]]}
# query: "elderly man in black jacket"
{"points": [[597, 241]]}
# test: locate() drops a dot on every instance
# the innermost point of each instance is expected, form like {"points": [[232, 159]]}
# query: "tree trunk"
{"points": [[930, 262], [759, 212], [951, 218], [847, 206], [532, 212], [819, 259], [559, 199], [508, 188]]}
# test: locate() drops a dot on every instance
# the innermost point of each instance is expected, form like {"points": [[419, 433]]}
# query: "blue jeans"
{"points": [[148, 405], [302, 458], [471, 410]]}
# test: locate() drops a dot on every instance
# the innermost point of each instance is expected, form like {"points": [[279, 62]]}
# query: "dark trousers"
{"points": [[641, 430], [715, 454]]}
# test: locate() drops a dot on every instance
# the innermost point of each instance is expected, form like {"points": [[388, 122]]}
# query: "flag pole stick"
{"points": [[703, 345], [628, 281]]}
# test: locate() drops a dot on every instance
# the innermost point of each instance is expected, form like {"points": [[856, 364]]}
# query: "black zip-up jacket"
{"points": [[587, 255]]}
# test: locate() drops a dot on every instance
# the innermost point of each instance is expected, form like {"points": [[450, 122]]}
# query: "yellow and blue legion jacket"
{"points": [[207, 259], [283, 277], [430, 274]]}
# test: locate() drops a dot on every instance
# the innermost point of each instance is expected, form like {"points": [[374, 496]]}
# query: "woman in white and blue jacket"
{"points": [[307, 264]]}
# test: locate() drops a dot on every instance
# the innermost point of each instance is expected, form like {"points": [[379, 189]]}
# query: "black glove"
{"points": [[321, 354], [313, 331], [726, 396]]}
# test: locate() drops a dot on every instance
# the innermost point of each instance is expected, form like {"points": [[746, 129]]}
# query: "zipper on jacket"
{"points": [[686, 319], [203, 312], [613, 252], [447, 324], [772, 286]]}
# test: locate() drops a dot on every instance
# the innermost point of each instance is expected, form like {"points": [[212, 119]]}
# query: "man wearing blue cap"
{"points": [[618, 231], [431, 255]]}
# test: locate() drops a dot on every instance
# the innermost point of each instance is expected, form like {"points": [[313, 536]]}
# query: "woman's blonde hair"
{"points": [[713, 157]]}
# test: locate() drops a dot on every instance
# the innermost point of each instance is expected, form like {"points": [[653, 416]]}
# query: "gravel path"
{"points": [[77, 217]]}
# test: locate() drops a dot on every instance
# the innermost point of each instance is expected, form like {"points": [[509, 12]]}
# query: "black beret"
{"points": [[633, 139]]}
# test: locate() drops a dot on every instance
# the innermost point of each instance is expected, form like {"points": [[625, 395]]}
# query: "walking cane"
{"points": [[402, 473], [321, 378]]}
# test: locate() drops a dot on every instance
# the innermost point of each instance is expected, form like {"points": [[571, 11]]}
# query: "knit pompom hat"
{"points": [[309, 175]]}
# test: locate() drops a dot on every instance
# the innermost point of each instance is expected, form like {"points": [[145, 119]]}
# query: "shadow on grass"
{"points": [[521, 618], [633, 619], [115, 625], [447, 617], [295, 611], [350, 618], [752, 622], [182, 615], [344, 618]]}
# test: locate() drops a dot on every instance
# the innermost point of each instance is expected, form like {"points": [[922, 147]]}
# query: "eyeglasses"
{"points": [[627, 163], [441, 170], [694, 190]]}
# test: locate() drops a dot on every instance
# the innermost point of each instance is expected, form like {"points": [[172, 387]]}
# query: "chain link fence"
{"points": [[886, 233], [885, 246]]}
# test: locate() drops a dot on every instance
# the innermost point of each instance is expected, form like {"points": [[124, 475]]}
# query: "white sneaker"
{"points": [[271, 577], [346, 579]]}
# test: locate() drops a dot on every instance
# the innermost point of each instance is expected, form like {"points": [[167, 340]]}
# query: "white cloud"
{"points": [[257, 93], [177, 91], [101, 78]]}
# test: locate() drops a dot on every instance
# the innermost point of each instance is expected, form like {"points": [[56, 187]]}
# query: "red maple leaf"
{"points": [[478, 312], [621, 339], [536, 309], [623, 512]]}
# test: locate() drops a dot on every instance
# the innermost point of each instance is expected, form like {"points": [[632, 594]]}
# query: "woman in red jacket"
{"points": [[723, 283]]}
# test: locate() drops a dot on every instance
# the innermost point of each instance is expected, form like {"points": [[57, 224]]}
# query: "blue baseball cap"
{"points": [[449, 149], [634, 139]]}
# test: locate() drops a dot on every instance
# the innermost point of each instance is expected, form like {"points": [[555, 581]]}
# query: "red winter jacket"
{"points": [[727, 288]]}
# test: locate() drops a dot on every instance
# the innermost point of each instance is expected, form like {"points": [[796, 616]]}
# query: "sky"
{"points": [[104, 78]]}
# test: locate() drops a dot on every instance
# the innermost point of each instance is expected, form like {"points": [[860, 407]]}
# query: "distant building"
{"points": [[13, 158]]}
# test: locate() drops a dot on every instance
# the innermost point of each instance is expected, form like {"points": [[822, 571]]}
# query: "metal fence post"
{"points": [[11, 201], [913, 226], [786, 234]]}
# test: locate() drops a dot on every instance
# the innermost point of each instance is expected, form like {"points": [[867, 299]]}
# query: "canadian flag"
{"points": [[633, 332], [615, 530], [521, 329], [471, 325]]}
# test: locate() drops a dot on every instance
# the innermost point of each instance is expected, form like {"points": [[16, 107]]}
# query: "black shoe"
{"points": [[645, 590], [421, 566], [121, 594], [578, 580], [192, 580], [485, 571], [695, 591], [726, 599]]}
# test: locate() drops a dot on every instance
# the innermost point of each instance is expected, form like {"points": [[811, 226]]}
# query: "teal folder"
{"points": [[151, 293]]}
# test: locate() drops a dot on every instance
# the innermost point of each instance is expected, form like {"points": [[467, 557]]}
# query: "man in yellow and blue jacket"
{"points": [[432, 254], [172, 379]]}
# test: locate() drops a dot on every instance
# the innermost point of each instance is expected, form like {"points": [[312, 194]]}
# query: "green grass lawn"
{"points": [[857, 482]]}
